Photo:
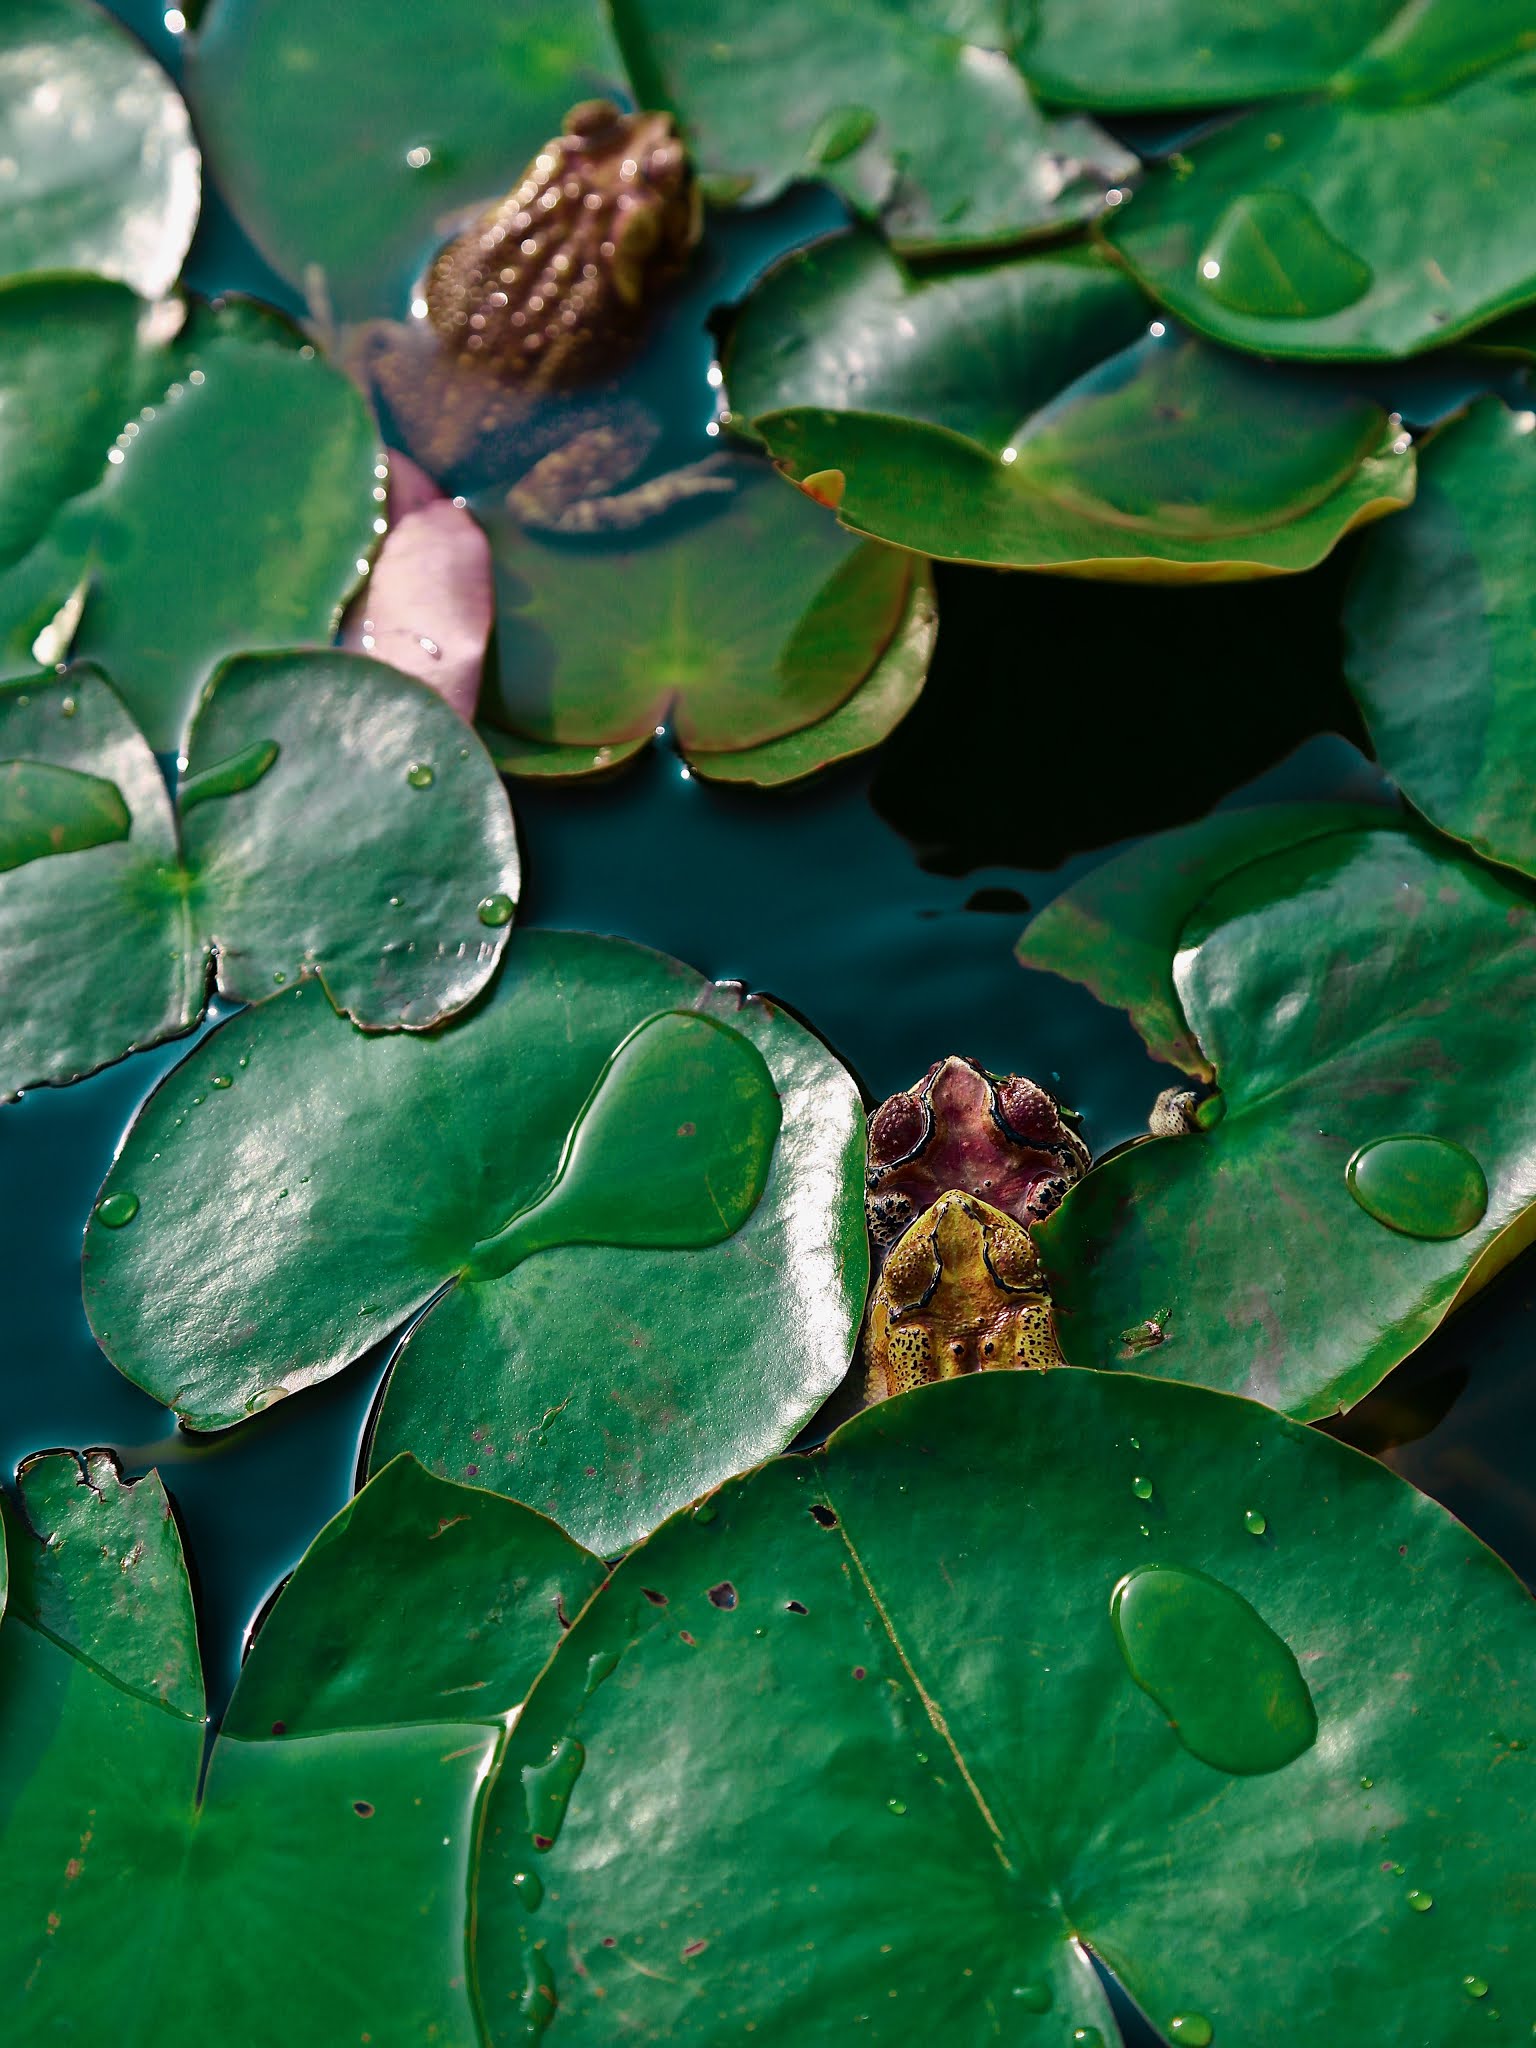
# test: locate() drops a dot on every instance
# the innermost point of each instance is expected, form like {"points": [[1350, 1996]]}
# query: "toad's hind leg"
{"points": [[572, 489]]}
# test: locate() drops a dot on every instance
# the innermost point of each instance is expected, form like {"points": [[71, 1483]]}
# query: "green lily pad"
{"points": [[346, 1774], [933, 138], [1440, 629], [598, 645], [48, 809], [300, 845], [432, 108], [1177, 54], [74, 363], [888, 1684], [1391, 214], [1170, 462], [98, 168], [1355, 987], [267, 459], [285, 1223], [976, 347]]}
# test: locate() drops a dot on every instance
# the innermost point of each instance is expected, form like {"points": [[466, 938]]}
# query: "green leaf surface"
{"points": [[874, 710], [346, 1775], [304, 847], [73, 362], [854, 1749], [1355, 987], [1117, 930], [1440, 628], [98, 168], [264, 458], [47, 809], [933, 138], [286, 1222], [350, 208], [1170, 462], [755, 621], [1177, 54], [975, 347], [1396, 212]]}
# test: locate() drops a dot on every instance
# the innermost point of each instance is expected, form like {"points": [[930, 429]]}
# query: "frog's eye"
{"points": [[896, 1129], [665, 166], [590, 118]]}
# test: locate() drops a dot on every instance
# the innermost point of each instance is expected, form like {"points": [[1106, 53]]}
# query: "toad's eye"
{"points": [[664, 166]]}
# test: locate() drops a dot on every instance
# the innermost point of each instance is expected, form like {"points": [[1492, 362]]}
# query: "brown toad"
{"points": [[498, 377], [962, 1291]]}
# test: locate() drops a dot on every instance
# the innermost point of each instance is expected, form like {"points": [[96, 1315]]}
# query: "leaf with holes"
{"points": [[334, 818], [1360, 985], [855, 1746], [632, 1197], [347, 1771]]}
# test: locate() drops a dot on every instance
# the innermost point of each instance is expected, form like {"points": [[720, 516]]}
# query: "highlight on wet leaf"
{"points": [[1358, 996], [629, 1200], [1118, 1724], [298, 845]]}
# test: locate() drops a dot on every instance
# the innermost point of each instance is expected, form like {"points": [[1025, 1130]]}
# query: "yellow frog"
{"points": [[962, 1291]]}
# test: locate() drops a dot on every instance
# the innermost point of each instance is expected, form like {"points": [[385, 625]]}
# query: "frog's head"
{"points": [[553, 282]]}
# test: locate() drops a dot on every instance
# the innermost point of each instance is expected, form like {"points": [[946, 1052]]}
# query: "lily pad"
{"points": [[1176, 54], [1357, 986], [98, 168], [607, 1372], [301, 844], [845, 325], [965, 1705], [1441, 636], [1170, 462], [431, 108], [933, 138], [755, 620], [348, 1766], [265, 459], [1393, 213]]}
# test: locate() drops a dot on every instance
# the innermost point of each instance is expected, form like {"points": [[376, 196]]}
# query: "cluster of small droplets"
{"points": [[528, 290]]}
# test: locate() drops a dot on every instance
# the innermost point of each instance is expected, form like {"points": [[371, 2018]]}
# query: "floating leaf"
{"points": [[845, 325], [1441, 625], [48, 809], [264, 457], [346, 1774], [429, 606], [1392, 213], [598, 646], [1169, 462], [285, 1223], [934, 138], [1359, 985], [1178, 54], [887, 1682], [97, 164], [304, 848], [432, 109]]}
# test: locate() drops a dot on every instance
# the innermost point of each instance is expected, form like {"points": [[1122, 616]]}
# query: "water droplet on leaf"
{"points": [[1193, 2028], [1422, 1186], [114, 1210], [1271, 256], [1475, 1987], [1421, 1902], [1254, 1522], [495, 910], [1141, 1487], [421, 775], [1034, 1997], [1231, 1689], [547, 1788]]}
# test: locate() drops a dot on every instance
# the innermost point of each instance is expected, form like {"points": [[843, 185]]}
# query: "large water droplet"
{"points": [[228, 777], [114, 1210], [496, 910], [671, 1149], [530, 1889], [547, 1788], [1421, 1902], [1254, 1522], [1033, 1997], [1141, 1486], [1475, 1987], [421, 775], [1419, 1185], [1191, 2028], [538, 2004], [1230, 1687], [1087, 2037], [1271, 256]]}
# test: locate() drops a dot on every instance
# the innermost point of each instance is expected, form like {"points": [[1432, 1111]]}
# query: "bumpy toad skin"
{"points": [[962, 1291], [539, 298], [997, 1136]]}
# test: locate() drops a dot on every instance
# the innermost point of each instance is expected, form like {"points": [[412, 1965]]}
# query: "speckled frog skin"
{"points": [[962, 1291], [497, 379], [999, 1136]]}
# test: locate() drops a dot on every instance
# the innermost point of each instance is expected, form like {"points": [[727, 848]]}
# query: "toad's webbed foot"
{"points": [[571, 490]]}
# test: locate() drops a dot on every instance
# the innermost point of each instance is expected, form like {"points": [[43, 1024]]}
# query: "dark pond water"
{"points": [[881, 904]]}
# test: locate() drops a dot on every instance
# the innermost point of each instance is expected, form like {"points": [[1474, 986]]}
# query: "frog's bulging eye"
{"points": [[590, 118], [665, 167]]}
